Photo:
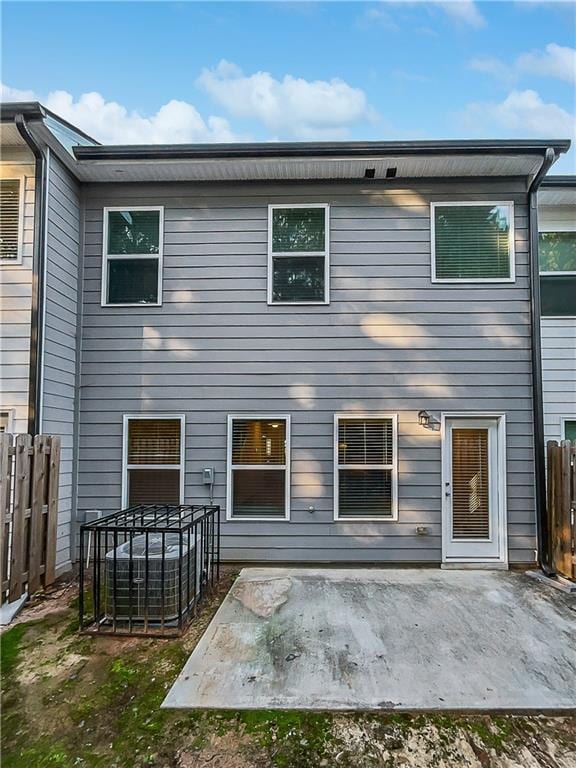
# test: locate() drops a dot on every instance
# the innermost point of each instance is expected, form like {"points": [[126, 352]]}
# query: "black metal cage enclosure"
{"points": [[144, 570]]}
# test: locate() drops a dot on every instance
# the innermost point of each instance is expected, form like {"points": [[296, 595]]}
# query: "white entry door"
{"points": [[473, 487]]}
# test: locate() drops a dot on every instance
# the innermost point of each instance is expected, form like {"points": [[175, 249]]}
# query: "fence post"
{"points": [[36, 510], [21, 505], [6, 441], [551, 483], [565, 512], [52, 516], [573, 506]]}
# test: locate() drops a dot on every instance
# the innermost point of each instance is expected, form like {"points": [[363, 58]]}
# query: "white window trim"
{"points": [[229, 466], [11, 418], [511, 239], [125, 466], [394, 466], [563, 420], [106, 257], [21, 179], [325, 253], [568, 226]]}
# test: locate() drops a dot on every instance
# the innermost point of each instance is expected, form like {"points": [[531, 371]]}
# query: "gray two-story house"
{"points": [[339, 343], [557, 226]]}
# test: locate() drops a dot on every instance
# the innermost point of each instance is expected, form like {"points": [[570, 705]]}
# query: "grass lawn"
{"points": [[71, 700]]}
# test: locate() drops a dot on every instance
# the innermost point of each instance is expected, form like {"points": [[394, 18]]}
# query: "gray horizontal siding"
{"points": [[389, 341], [16, 298], [60, 337]]}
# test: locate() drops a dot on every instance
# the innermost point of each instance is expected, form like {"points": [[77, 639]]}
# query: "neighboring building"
{"points": [[39, 290], [17, 179], [557, 225], [340, 334]]}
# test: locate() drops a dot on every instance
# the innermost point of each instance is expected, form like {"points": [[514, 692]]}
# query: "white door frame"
{"points": [[502, 485]]}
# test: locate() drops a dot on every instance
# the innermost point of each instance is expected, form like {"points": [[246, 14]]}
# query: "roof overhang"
{"points": [[313, 161], [558, 190], [277, 161]]}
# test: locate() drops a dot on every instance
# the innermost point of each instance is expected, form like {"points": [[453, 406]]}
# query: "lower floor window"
{"points": [[154, 458], [569, 431], [365, 472], [258, 467]]}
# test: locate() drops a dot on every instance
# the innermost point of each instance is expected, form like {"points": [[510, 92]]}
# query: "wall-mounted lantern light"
{"points": [[424, 418]]}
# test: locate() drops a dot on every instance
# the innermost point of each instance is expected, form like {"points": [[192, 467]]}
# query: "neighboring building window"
{"points": [[365, 476], [258, 467], [153, 460], [6, 421], [11, 217], [557, 256], [569, 429], [298, 254], [472, 242], [132, 259]]}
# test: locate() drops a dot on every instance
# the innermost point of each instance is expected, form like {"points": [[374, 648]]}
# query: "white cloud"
{"points": [[554, 61], [464, 11], [490, 65], [112, 123], [14, 94], [521, 113], [291, 107]]}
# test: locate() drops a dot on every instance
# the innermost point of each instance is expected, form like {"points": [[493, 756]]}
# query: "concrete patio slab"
{"points": [[363, 639]]}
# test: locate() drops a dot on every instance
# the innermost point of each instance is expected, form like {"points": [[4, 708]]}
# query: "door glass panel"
{"points": [[470, 484]]}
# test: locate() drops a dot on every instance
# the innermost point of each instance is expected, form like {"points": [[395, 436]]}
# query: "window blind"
{"points": [[153, 486], [472, 242], [9, 218], [365, 468], [470, 484], [154, 441], [365, 441]]}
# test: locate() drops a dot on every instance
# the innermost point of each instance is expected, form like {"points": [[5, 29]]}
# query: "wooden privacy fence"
{"points": [[30, 469], [561, 506]]}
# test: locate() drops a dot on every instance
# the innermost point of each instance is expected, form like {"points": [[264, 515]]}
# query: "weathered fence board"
{"points": [[561, 507], [29, 479], [5, 503]]}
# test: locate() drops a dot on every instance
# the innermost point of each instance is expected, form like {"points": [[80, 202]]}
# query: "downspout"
{"points": [[36, 329], [543, 532]]}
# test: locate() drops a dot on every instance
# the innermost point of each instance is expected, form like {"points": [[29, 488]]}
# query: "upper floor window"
{"points": [[132, 256], [11, 218], [472, 242], [557, 256], [298, 254]]}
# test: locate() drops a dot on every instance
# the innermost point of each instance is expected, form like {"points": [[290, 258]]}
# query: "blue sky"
{"points": [[166, 71]]}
